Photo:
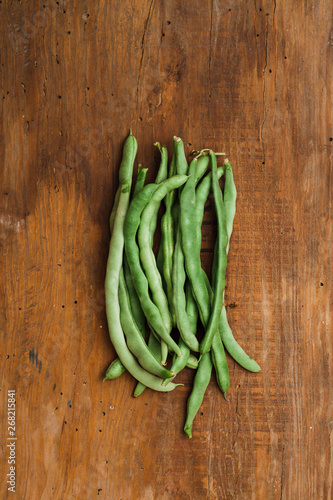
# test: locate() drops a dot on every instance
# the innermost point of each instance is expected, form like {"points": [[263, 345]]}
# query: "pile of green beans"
{"points": [[156, 301]]}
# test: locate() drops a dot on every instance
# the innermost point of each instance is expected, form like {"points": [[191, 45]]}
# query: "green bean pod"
{"points": [[114, 210], [166, 249], [231, 345], [191, 311], [181, 162], [135, 341], [191, 248], [114, 265], [140, 282], [192, 362], [230, 195], [179, 299], [115, 369], [204, 370], [221, 261], [218, 354], [201, 168], [155, 348], [162, 173], [146, 252], [201, 381], [136, 309], [140, 180]]}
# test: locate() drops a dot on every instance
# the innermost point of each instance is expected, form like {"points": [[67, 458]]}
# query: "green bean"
{"points": [[218, 354], [167, 239], [181, 162], [146, 252], [155, 347], [201, 381], [114, 210], [231, 345], [140, 180], [201, 168], [191, 311], [179, 300], [115, 369], [138, 314], [204, 370], [113, 269], [134, 339], [202, 193], [140, 282], [221, 261], [230, 195], [162, 173], [197, 168], [192, 362], [191, 248]]}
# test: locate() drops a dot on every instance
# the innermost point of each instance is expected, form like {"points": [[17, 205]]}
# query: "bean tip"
{"points": [[226, 161], [188, 431]]}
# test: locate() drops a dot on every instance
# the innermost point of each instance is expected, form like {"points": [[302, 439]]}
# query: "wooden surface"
{"points": [[251, 78]]}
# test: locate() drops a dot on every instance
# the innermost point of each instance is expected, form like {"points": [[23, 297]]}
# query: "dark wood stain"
{"points": [[250, 79]]}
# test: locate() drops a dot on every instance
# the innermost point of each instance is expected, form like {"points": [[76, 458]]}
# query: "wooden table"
{"points": [[251, 79]]}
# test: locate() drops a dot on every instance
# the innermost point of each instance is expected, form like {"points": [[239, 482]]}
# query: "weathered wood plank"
{"points": [[253, 80]]}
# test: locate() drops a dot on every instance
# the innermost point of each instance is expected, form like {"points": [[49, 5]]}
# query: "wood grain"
{"points": [[251, 78]]}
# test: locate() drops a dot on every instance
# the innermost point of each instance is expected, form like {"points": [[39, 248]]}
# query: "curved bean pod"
{"points": [[146, 252], [231, 345], [221, 261], [201, 381], [218, 354], [162, 173], [178, 363], [115, 369], [191, 248], [134, 339], [155, 348], [140, 282], [179, 299], [113, 268], [140, 180], [181, 162]]}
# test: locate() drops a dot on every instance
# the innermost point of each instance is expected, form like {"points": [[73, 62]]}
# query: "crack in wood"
{"points": [[210, 48], [143, 50], [264, 94]]}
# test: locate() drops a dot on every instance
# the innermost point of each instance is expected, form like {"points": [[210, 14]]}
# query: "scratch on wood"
{"points": [[143, 48], [210, 48], [264, 93]]}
